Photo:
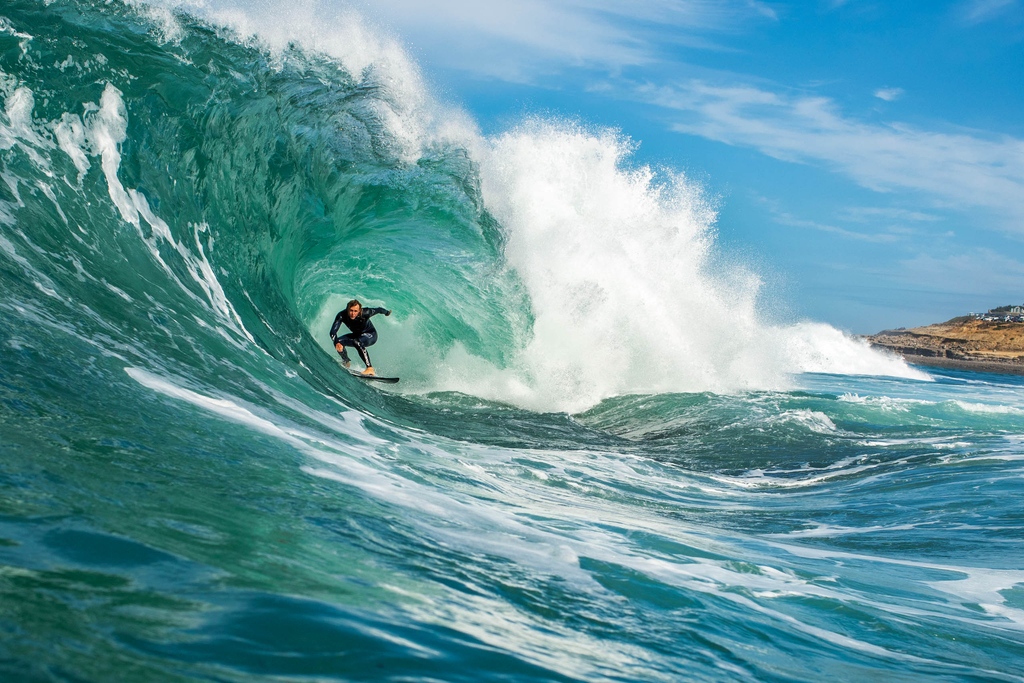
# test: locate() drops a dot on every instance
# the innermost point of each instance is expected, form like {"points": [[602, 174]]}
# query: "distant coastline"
{"points": [[968, 343]]}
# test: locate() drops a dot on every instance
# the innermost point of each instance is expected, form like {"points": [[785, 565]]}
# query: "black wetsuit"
{"points": [[362, 332]]}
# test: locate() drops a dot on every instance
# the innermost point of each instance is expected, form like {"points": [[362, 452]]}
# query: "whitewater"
{"points": [[605, 460]]}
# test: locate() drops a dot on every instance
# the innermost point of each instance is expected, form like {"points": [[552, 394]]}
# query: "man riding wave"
{"points": [[361, 332]]}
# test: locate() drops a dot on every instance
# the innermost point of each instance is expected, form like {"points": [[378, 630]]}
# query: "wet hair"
{"points": [[354, 302]]}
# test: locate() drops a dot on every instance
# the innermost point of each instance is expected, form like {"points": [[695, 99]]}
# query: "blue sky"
{"points": [[867, 157]]}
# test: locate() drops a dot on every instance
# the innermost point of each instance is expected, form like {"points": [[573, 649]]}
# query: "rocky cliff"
{"points": [[962, 343]]}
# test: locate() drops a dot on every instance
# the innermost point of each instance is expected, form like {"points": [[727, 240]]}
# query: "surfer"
{"points": [[361, 334]]}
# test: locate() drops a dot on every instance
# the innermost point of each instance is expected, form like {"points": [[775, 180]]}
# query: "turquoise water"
{"points": [[192, 489]]}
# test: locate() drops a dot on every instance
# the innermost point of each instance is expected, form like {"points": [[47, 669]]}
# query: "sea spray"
{"points": [[373, 58], [626, 289]]}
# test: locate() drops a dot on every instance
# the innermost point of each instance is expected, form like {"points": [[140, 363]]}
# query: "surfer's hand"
{"points": [[387, 313], [338, 347]]}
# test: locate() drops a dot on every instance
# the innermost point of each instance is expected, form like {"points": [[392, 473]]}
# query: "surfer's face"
{"points": [[353, 312]]}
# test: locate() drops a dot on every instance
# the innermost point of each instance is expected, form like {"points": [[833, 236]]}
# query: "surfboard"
{"points": [[373, 378]]}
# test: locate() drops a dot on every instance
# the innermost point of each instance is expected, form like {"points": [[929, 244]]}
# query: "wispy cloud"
{"points": [[889, 94], [783, 217], [980, 11], [873, 214], [980, 271], [956, 169], [763, 9], [875, 237], [518, 40]]}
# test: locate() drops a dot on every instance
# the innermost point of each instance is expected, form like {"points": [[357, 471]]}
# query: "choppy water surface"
{"points": [[191, 489]]}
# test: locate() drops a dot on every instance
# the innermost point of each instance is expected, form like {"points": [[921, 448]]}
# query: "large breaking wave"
{"points": [[268, 172]]}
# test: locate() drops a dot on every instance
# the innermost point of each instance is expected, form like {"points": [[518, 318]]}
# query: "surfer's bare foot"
{"points": [[369, 371], [345, 364]]}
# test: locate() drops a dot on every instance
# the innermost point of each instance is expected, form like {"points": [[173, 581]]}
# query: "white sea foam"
{"points": [[6, 27], [17, 129], [105, 129], [232, 410], [814, 420], [758, 479], [885, 403], [987, 409], [829, 531], [19, 116], [628, 290], [71, 137], [977, 585]]}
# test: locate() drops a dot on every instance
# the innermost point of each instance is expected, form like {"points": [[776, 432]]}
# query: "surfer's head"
{"points": [[353, 309]]}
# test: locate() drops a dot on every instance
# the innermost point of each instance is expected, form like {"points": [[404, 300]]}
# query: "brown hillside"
{"points": [[962, 340]]}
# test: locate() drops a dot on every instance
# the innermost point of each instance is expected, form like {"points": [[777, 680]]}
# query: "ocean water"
{"points": [[604, 461]]}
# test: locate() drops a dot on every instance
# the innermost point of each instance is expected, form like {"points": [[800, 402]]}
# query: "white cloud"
{"points": [[956, 169], [980, 11], [520, 40], [764, 10], [872, 214], [876, 237], [982, 272], [786, 218], [889, 94]]}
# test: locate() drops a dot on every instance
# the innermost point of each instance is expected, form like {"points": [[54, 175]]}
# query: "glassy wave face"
{"points": [[602, 462]]}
